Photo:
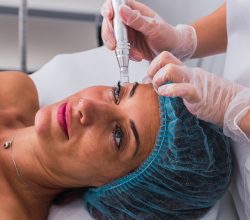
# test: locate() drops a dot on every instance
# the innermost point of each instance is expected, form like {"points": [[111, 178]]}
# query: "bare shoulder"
{"points": [[18, 94], [13, 80], [12, 213]]}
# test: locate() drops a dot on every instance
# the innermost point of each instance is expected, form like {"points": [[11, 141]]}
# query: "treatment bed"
{"points": [[68, 73]]}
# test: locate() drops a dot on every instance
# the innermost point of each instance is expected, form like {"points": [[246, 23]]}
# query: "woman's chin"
{"points": [[42, 122]]}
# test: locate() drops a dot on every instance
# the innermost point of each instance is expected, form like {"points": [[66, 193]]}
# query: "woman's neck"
{"points": [[25, 174]]}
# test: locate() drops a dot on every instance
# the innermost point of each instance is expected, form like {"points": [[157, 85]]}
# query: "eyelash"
{"points": [[118, 132], [117, 92]]}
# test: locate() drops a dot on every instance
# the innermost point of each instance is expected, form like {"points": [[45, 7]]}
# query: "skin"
{"points": [[211, 33], [51, 162]]}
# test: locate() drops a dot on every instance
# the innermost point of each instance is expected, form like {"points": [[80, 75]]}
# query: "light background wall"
{"points": [[183, 11], [48, 37]]}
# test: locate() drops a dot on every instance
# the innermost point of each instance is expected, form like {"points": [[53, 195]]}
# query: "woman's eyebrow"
{"points": [[132, 124], [132, 91], [136, 135]]}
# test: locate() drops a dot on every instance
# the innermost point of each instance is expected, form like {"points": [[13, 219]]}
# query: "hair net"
{"points": [[188, 170]]}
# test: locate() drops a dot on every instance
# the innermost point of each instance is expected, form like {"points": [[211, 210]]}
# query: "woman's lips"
{"points": [[61, 118]]}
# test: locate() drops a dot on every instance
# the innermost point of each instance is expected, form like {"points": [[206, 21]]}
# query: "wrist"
{"points": [[244, 122], [237, 117], [186, 42], [215, 94]]}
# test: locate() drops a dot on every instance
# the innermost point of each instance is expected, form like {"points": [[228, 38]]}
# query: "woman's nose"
{"points": [[91, 111]]}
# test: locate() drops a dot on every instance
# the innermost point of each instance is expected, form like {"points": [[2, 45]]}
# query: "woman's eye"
{"points": [[118, 136], [117, 93]]}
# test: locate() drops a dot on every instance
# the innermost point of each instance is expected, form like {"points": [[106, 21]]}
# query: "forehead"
{"points": [[144, 111]]}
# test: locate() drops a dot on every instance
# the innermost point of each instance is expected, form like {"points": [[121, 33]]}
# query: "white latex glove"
{"points": [[205, 95], [149, 34], [236, 112]]}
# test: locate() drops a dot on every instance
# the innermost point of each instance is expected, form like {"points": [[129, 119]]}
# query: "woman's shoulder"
{"points": [[7, 213], [12, 209], [18, 96], [15, 81]]}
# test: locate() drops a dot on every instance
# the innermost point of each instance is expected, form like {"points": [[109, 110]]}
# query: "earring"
{"points": [[7, 144]]}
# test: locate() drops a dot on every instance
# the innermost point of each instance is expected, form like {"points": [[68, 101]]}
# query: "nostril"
{"points": [[84, 117], [83, 120], [80, 114]]}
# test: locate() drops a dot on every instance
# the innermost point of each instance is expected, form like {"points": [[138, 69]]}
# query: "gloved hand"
{"points": [[209, 97], [148, 33]]}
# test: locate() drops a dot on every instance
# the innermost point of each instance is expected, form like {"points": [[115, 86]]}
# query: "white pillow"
{"points": [[68, 73]]}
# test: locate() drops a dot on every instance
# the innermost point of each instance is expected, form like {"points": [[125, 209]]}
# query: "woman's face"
{"points": [[98, 134]]}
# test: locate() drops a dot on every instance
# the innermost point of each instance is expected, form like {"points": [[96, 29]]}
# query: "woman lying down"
{"points": [[139, 156]]}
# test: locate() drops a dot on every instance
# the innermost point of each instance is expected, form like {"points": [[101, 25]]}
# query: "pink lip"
{"points": [[62, 118]]}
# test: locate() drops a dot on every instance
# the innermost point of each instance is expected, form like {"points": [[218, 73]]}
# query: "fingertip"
{"points": [[161, 89], [135, 55], [160, 78], [165, 90], [113, 46], [146, 80], [109, 44], [134, 59]]}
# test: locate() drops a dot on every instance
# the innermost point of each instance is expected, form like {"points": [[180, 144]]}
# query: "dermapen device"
{"points": [[122, 43]]}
